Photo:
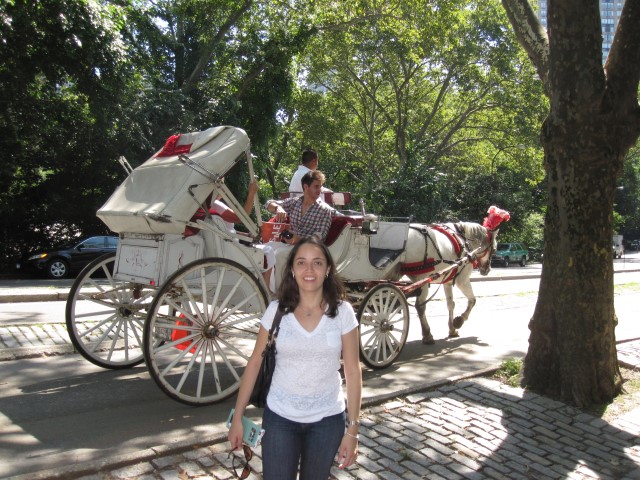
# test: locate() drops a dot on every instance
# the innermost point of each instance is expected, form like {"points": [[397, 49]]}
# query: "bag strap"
{"points": [[275, 326]]}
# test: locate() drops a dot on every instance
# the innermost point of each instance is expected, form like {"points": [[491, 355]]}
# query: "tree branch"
{"points": [[210, 47], [531, 35]]}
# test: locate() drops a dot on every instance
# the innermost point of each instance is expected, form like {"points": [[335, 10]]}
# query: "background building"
{"points": [[610, 11]]}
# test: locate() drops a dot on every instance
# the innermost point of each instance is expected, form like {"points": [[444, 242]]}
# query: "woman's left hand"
{"points": [[348, 451]]}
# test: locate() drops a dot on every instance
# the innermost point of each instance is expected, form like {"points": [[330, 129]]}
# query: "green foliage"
{"points": [[429, 108], [423, 109], [626, 216], [61, 78], [532, 232]]}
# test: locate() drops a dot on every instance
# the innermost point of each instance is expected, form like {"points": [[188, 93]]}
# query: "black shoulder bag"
{"points": [[263, 381]]}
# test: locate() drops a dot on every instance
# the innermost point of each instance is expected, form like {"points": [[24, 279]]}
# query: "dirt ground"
{"points": [[627, 401]]}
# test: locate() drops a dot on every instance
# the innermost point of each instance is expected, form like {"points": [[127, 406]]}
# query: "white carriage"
{"points": [[185, 295]]}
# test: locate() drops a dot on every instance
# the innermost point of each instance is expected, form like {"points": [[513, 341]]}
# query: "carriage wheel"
{"points": [[201, 330], [384, 325], [105, 317]]}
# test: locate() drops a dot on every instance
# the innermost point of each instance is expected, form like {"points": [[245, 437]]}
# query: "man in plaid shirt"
{"points": [[308, 215]]}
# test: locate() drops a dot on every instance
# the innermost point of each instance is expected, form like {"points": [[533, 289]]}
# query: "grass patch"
{"points": [[627, 287], [509, 372]]}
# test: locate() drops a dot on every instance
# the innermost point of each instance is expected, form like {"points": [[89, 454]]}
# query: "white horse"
{"points": [[438, 252]]}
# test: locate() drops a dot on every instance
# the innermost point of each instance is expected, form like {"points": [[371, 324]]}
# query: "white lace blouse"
{"points": [[306, 385]]}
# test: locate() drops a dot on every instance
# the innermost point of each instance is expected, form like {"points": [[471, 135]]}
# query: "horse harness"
{"points": [[456, 236]]}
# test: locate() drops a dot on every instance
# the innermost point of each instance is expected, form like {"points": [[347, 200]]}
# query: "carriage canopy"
{"points": [[163, 193]]}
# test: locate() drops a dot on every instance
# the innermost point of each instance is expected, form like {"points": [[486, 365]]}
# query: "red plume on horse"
{"points": [[446, 254]]}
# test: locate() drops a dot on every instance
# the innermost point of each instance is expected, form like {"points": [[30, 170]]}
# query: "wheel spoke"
{"points": [[384, 314], [187, 369], [105, 316], [226, 361], [213, 307]]}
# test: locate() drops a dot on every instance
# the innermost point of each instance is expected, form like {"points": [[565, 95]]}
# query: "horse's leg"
{"points": [[421, 307], [467, 290], [451, 305]]}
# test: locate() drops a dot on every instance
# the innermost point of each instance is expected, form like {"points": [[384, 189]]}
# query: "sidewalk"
{"points": [[465, 427], [475, 428]]}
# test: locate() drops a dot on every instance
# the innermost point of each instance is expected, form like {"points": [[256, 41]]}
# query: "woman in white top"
{"points": [[305, 419]]}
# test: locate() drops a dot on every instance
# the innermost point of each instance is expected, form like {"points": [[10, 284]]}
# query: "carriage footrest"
{"points": [[382, 257]]}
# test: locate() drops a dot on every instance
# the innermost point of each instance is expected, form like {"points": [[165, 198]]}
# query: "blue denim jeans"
{"points": [[312, 446]]}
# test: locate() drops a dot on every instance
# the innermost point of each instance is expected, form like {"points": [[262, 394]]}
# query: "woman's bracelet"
{"points": [[356, 436], [353, 423]]}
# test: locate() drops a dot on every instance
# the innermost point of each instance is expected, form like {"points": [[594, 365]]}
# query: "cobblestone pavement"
{"points": [[44, 335], [474, 429]]}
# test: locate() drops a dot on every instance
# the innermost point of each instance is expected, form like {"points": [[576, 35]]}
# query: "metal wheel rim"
{"points": [[58, 269], [105, 317], [384, 325], [197, 344]]}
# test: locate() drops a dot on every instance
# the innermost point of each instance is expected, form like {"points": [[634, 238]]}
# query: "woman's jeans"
{"points": [[287, 444]]}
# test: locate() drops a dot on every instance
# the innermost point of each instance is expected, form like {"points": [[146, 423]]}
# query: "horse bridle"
{"points": [[489, 250], [479, 255]]}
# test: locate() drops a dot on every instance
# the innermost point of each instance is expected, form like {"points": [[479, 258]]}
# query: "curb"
{"points": [[118, 461], [34, 297], [17, 353]]}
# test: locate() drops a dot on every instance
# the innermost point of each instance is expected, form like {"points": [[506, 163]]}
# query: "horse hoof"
{"points": [[454, 335], [457, 322], [428, 340]]}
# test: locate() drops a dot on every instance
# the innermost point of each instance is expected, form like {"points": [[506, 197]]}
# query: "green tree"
{"points": [[416, 101], [627, 198], [593, 120], [84, 82], [62, 71]]}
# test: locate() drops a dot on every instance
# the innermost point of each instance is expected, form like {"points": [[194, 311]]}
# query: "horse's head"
{"points": [[489, 242], [482, 242]]}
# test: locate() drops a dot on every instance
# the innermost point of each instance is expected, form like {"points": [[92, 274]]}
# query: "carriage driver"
{"points": [[308, 162], [308, 216]]}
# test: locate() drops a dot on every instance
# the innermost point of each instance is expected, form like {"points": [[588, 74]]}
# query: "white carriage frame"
{"points": [[154, 259]]}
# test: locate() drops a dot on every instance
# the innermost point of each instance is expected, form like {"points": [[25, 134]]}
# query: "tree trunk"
{"points": [[572, 350], [593, 120]]}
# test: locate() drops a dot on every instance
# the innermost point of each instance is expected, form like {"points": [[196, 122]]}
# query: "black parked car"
{"points": [[62, 261]]}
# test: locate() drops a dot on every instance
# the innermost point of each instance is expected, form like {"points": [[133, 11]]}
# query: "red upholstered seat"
{"points": [[338, 224]]}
